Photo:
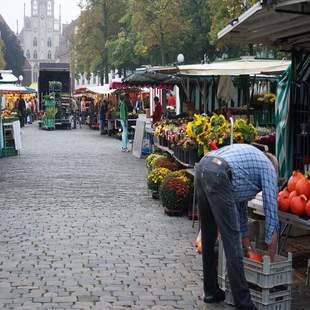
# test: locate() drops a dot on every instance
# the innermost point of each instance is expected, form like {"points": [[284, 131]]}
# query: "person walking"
{"points": [[158, 111], [102, 115], [74, 112], [83, 111], [225, 180], [123, 115], [21, 106]]}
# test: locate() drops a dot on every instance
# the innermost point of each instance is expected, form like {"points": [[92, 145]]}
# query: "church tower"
{"points": [[41, 34]]}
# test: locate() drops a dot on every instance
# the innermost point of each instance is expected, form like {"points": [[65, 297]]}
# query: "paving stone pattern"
{"points": [[79, 231]]}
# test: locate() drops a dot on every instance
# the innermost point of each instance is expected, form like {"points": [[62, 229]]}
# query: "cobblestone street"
{"points": [[78, 230]]}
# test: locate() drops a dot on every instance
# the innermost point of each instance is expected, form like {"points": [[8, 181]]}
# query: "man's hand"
{"points": [[273, 246]]}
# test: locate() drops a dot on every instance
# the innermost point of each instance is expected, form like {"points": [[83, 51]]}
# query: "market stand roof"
{"points": [[15, 89], [283, 24], [6, 76], [245, 66]]}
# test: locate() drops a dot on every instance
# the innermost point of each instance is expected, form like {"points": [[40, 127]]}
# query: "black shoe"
{"points": [[218, 297]]}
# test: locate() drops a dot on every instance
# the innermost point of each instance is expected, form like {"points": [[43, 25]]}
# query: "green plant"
{"points": [[174, 193], [50, 112], [155, 178]]}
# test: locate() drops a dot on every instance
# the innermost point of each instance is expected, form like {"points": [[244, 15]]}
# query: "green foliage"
{"points": [[13, 54], [2, 61]]}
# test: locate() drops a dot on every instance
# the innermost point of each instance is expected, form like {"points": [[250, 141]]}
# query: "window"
{"points": [[28, 54], [49, 42], [94, 79], [49, 55], [35, 7], [49, 8], [35, 54], [35, 42], [77, 82]]}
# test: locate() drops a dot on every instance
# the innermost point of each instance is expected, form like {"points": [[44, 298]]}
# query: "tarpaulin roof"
{"points": [[283, 24], [6, 76], [15, 89], [152, 79], [246, 66]]}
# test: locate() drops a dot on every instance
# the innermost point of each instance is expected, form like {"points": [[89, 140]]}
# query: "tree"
{"points": [[196, 42], [97, 24], [13, 54], [221, 14], [2, 61], [159, 26]]}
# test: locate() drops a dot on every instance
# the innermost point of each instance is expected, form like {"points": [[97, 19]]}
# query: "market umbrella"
{"points": [[283, 141], [15, 89]]}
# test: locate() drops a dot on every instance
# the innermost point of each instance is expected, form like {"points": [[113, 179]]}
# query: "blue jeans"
{"points": [[218, 210], [102, 125], [124, 134], [74, 120]]}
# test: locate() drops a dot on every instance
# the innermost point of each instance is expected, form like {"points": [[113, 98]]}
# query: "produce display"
{"points": [[7, 114], [295, 198]]}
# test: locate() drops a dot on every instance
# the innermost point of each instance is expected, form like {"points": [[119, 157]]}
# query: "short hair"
{"points": [[156, 98]]}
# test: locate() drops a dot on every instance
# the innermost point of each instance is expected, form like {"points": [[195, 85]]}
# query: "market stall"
{"points": [[285, 24]]}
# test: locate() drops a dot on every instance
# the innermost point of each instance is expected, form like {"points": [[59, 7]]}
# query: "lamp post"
{"points": [[180, 58], [20, 78]]}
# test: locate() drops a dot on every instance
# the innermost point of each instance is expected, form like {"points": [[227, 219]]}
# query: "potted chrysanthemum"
{"points": [[164, 162], [154, 180], [174, 194]]}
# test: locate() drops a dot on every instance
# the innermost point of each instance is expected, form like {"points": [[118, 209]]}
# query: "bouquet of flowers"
{"points": [[244, 132]]}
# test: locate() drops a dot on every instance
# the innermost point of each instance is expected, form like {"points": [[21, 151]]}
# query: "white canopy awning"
{"points": [[7, 77], [283, 24], [245, 66], [14, 89], [101, 90]]}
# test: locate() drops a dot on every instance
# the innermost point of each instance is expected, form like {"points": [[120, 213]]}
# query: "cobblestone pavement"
{"points": [[78, 231]]}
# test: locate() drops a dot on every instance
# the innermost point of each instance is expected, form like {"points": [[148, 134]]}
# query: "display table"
{"points": [[11, 134]]}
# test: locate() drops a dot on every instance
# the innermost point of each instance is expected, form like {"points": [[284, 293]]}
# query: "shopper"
{"points": [[139, 106], [171, 104], [103, 115], [21, 106], [74, 112], [158, 111], [83, 111], [226, 179], [29, 112], [129, 103], [123, 115]]}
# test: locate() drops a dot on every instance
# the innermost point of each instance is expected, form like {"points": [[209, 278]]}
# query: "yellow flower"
{"points": [[189, 130]]}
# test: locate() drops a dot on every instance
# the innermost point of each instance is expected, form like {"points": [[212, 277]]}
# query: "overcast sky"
{"points": [[11, 10]]}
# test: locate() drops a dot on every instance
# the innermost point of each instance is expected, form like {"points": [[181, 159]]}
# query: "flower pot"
{"points": [[186, 156], [165, 142], [193, 157], [155, 195], [173, 212]]}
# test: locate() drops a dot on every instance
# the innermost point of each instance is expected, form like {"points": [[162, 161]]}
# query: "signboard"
{"points": [[138, 139]]}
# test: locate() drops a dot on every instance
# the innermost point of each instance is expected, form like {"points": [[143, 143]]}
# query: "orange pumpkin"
{"points": [[293, 180], [303, 187], [298, 204]]}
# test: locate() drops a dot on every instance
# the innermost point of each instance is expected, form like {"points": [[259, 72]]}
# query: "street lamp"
{"points": [[180, 58], [20, 78]]}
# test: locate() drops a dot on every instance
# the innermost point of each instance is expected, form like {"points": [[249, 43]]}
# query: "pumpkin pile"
{"points": [[295, 198]]}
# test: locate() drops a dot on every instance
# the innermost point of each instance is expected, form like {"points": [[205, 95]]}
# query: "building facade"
{"points": [[40, 37]]}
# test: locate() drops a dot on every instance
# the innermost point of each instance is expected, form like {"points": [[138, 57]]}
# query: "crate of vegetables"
{"points": [[259, 270]]}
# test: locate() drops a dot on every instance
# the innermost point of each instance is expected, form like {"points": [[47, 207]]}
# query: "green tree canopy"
{"points": [[13, 54]]}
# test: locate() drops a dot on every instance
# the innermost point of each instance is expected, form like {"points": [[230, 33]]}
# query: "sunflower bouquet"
{"points": [[244, 132]]}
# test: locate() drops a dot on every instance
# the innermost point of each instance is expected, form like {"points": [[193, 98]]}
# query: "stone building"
{"points": [[40, 37]]}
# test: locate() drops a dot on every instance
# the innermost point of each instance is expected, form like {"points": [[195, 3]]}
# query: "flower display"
{"points": [[184, 176], [149, 161], [244, 132], [155, 178], [163, 162], [209, 133], [174, 194]]}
